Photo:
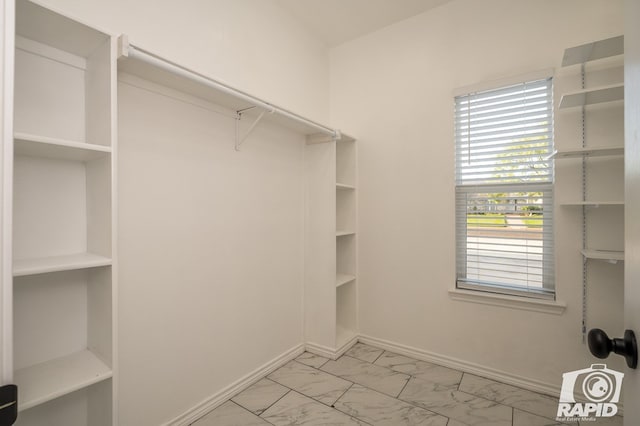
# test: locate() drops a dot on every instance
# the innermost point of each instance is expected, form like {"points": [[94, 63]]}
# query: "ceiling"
{"points": [[337, 21]]}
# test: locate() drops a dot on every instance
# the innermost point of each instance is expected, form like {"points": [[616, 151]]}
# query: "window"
{"points": [[504, 190]]}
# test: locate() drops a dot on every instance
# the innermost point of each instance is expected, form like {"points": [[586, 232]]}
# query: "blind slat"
{"points": [[514, 112], [502, 95], [519, 134], [508, 140]]}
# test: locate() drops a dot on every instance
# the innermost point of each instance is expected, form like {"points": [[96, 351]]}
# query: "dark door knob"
{"points": [[8, 404], [601, 346]]}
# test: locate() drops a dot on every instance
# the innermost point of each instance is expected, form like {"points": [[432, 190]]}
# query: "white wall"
{"points": [[210, 253], [393, 90], [254, 45]]}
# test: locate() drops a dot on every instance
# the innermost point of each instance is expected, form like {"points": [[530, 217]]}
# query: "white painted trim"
{"points": [[234, 388], [320, 350], [49, 52], [465, 366], [503, 82], [345, 347], [115, 364], [7, 50], [356, 183], [328, 352], [512, 302]]}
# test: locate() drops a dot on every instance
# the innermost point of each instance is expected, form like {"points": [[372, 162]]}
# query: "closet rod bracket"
{"points": [[241, 138]]}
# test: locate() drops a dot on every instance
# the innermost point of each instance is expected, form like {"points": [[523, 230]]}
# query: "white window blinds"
{"points": [[504, 193]]}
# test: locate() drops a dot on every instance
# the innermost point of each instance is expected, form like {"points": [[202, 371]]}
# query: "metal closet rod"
{"points": [[156, 61]]}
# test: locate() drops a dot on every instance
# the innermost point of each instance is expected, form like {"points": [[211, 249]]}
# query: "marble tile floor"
{"points": [[371, 386]]}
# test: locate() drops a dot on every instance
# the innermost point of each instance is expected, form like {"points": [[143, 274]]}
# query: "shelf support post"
{"points": [[585, 267]]}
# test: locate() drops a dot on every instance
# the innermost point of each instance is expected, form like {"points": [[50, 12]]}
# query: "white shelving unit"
{"points": [[607, 255], [342, 186], [597, 164], [58, 263], [331, 255], [45, 147], [346, 243], [342, 279], [593, 203], [63, 219], [52, 379], [138, 63], [588, 152], [588, 52], [344, 233], [598, 95]]}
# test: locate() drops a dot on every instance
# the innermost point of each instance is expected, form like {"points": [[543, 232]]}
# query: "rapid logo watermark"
{"points": [[599, 386]]}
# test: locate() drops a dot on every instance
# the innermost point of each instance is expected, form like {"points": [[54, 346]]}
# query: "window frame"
{"points": [[546, 187]]}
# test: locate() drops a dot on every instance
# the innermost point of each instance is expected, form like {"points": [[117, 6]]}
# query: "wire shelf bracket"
{"points": [[241, 138]]}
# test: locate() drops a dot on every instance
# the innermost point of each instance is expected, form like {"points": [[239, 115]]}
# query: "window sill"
{"points": [[513, 302]]}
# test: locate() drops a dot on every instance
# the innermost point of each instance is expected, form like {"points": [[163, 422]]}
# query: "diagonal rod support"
{"points": [[241, 138]]}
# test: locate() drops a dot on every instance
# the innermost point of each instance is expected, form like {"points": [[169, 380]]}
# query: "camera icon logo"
{"points": [[592, 391], [594, 384]]}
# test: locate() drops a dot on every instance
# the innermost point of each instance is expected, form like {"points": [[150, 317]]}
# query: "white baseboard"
{"points": [[346, 346], [234, 388], [465, 366], [320, 350], [469, 367], [328, 352]]}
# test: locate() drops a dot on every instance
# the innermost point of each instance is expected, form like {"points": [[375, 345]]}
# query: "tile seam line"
{"points": [[390, 396], [273, 403], [444, 415], [330, 407], [378, 357], [309, 396], [508, 405], [405, 385], [245, 409]]}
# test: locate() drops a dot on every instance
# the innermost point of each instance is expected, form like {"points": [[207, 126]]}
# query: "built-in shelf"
{"points": [[69, 262], [593, 203], [344, 233], [42, 146], [164, 72], [600, 49], [592, 96], [607, 255], [345, 186], [52, 379], [342, 279], [588, 152]]}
